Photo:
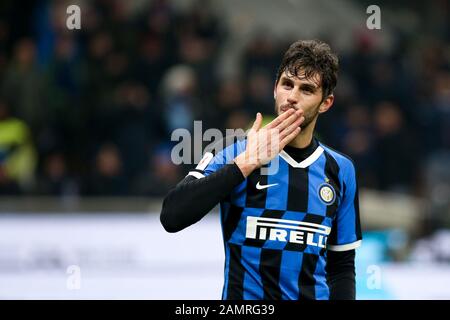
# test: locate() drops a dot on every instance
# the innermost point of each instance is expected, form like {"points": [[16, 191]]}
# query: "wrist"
{"points": [[245, 165]]}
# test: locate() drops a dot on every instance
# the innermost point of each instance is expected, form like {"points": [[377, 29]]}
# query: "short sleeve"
{"points": [[346, 228]]}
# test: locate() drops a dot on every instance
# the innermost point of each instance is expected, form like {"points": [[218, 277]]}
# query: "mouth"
{"points": [[286, 107]]}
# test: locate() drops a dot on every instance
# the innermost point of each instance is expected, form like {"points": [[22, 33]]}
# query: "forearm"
{"points": [[341, 275], [193, 198]]}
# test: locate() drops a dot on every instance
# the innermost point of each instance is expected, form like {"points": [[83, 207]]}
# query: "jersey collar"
{"points": [[310, 154]]}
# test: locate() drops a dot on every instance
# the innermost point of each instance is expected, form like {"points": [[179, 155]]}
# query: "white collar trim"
{"points": [[305, 163]]}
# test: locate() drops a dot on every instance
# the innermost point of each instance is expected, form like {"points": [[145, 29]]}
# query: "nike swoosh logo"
{"points": [[261, 187]]}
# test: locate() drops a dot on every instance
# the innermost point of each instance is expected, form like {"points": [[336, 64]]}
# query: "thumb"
{"points": [[257, 124]]}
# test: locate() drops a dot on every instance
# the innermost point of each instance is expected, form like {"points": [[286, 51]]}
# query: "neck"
{"points": [[304, 138]]}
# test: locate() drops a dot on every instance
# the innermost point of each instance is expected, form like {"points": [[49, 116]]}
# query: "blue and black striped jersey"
{"points": [[278, 225]]}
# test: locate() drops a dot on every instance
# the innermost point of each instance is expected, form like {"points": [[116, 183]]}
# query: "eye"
{"points": [[308, 91], [287, 84]]}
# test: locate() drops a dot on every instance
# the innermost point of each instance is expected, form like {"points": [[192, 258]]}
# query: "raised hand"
{"points": [[263, 144]]}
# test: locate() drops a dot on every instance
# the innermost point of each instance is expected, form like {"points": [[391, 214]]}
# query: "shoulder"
{"points": [[227, 145], [344, 162], [221, 152]]}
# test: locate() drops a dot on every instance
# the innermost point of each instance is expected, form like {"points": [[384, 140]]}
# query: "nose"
{"points": [[293, 97]]}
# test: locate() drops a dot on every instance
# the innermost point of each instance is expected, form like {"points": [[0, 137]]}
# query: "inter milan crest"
{"points": [[326, 193]]}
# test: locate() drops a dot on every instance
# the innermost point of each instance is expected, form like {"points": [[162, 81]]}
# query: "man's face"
{"points": [[305, 94]]}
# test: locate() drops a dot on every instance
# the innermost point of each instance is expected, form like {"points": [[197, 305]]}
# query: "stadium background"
{"points": [[86, 118]]}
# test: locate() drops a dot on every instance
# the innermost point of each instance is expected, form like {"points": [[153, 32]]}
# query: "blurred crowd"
{"points": [[91, 111]]}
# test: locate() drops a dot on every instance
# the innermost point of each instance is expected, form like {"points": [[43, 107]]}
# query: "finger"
{"points": [[291, 127], [291, 119], [275, 122], [257, 124], [289, 138]]}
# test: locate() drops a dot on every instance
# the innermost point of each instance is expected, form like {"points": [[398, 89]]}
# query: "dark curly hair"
{"points": [[305, 58]]}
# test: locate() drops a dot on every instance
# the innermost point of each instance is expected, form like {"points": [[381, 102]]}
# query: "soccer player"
{"points": [[291, 233]]}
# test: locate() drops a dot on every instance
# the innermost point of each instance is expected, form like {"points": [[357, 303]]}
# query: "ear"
{"points": [[326, 104], [275, 91]]}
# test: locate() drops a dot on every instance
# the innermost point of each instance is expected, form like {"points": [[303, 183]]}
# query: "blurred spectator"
{"points": [[17, 154], [153, 60], [260, 93], [357, 142], [107, 178], [157, 44], [229, 98], [180, 102], [441, 102], [132, 128], [24, 85], [238, 119], [200, 35], [396, 157], [263, 54], [358, 62], [55, 179], [4, 35], [163, 176], [64, 86]]}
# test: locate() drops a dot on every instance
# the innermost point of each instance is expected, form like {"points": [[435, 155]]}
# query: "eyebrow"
{"points": [[308, 86], [311, 86]]}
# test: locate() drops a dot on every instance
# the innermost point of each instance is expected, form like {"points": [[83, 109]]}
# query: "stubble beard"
{"points": [[309, 117]]}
